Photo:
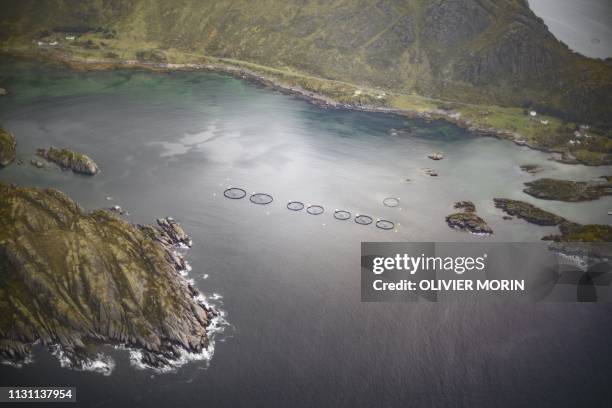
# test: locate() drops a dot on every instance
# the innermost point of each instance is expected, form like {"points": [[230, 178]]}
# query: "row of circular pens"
{"points": [[236, 193]]}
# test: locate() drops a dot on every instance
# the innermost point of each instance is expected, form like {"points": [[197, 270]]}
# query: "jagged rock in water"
{"points": [[8, 144], [68, 159], [567, 190], [528, 212], [72, 279], [466, 206], [468, 221], [172, 232]]}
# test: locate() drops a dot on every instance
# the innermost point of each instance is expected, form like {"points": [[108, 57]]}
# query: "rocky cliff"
{"points": [[72, 279], [481, 51]]}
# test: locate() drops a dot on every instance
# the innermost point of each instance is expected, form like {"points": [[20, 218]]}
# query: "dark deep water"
{"points": [[169, 144]]}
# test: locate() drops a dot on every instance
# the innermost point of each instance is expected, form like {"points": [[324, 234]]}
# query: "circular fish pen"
{"points": [[315, 209], [261, 198], [385, 224], [363, 219], [295, 206], [234, 193], [391, 202], [342, 215]]}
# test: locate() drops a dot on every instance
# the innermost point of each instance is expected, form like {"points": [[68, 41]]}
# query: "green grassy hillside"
{"points": [[476, 51]]}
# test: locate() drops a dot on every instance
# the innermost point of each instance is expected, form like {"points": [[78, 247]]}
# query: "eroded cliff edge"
{"points": [[73, 280]]}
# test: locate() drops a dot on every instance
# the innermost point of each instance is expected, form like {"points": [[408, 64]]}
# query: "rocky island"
{"points": [[567, 190], [467, 220], [68, 159], [8, 145], [527, 212], [569, 231], [73, 280]]}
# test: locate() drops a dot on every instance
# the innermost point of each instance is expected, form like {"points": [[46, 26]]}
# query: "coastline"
{"points": [[238, 71]]}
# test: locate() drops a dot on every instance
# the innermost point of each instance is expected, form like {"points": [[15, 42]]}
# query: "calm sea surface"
{"points": [[170, 144], [584, 25]]}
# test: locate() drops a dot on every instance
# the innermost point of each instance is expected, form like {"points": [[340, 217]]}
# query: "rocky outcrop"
{"points": [[528, 212], [8, 144], [68, 159], [451, 22], [72, 279], [567, 190], [569, 231], [467, 220]]}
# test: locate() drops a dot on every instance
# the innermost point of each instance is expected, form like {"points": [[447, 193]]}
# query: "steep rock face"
{"points": [[516, 54], [72, 279], [8, 145], [449, 23]]}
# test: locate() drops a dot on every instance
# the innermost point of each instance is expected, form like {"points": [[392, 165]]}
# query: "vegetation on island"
{"points": [[527, 212], [569, 231], [467, 220], [567, 190], [68, 159], [72, 280], [489, 66], [8, 144], [572, 232]]}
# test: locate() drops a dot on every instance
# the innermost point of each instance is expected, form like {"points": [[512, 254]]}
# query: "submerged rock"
{"points": [[68, 159], [430, 172], [531, 168], [72, 279], [567, 190], [528, 212], [8, 145], [468, 221]]}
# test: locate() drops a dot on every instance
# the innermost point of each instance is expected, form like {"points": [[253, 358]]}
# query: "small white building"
{"points": [[533, 113]]}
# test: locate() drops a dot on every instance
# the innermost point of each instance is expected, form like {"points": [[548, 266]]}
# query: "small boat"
{"points": [[435, 156]]}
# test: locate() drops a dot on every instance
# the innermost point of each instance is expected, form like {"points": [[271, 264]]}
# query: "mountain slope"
{"points": [[479, 51]]}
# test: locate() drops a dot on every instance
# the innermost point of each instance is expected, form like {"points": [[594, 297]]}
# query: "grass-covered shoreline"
{"points": [[569, 142]]}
